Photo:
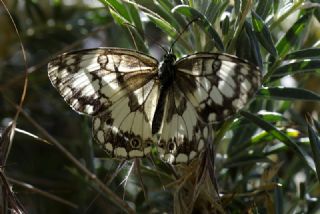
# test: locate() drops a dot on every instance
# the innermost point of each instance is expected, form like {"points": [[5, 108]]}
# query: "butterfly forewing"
{"points": [[92, 80], [119, 87], [217, 85]]}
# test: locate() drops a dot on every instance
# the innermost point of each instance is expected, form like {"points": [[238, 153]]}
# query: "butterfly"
{"points": [[138, 103]]}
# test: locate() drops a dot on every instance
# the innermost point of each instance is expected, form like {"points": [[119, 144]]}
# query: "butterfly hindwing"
{"points": [[118, 87], [181, 139], [125, 131]]}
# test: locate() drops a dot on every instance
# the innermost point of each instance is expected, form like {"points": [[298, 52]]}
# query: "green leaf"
{"points": [[163, 25], [315, 146], [225, 25], [241, 134], [293, 35], [297, 67], [215, 9], [308, 53], [255, 49], [245, 159], [194, 14], [119, 7], [264, 8], [286, 93], [164, 10], [263, 34], [120, 20], [271, 116], [135, 17], [317, 14], [276, 4], [281, 137], [265, 115]]}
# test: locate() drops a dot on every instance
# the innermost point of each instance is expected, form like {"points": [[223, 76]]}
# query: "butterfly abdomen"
{"points": [[166, 75]]}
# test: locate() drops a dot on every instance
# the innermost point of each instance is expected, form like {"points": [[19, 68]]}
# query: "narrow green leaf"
{"points": [[265, 115], [276, 4], [255, 49], [278, 198], [297, 67], [264, 8], [271, 116], [316, 125], [163, 25], [308, 53], [286, 93], [120, 20], [237, 6], [293, 35], [215, 9], [264, 137], [194, 14], [281, 137], [263, 34], [135, 17], [246, 159], [242, 134], [225, 25], [317, 14], [119, 8], [315, 147], [164, 10]]}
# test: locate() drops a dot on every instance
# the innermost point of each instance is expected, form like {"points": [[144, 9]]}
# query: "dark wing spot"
{"points": [[135, 142], [171, 145], [216, 64]]}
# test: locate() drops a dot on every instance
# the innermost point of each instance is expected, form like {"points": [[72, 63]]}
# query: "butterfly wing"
{"points": [[208, 88], [181, 139], [119, 87], [217, 85]]}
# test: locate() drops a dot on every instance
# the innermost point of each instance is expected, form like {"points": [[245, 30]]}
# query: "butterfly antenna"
{"points": [[184, 29]]}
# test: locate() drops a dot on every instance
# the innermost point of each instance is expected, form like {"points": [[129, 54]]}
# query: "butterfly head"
{"points": [[169, 58]]}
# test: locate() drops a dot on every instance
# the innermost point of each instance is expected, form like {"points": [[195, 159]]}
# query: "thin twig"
{"points": [[43, 193], [25, 84]]}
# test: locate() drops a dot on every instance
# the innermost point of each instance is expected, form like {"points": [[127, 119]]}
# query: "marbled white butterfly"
{"points": [[137, 102]]}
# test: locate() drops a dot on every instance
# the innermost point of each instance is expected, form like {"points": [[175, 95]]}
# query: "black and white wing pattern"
{"points": [[208, 88], [119, 88], [137, 103]]}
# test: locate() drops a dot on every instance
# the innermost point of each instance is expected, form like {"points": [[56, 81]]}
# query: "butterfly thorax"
{"points": [[167, 70]]}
